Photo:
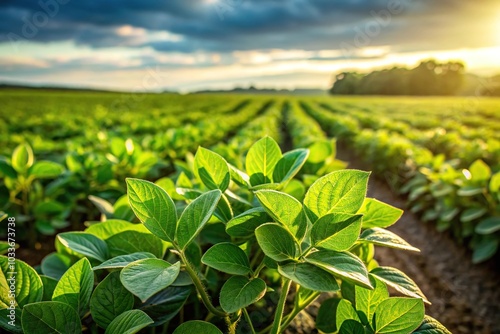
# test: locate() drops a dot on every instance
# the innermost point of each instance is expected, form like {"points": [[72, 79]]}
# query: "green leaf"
{"points": [[244, 225], [128, 242], [472, 213], [480, 171], [239, 292], [28, 285], [197, 326], [336, 232], [109, 300], [345, 312], [431, 326], [239, 177], [45, 170], [495, 183], [488, 225], [6, 318], [485, 249], [102, 205], [276, 242], [467, 191], [129, 322], [309, 276], [49, 285], [55, 265], [224, 211], [154, 208], [261, 160], [326, 311], [7, 170], [165, 305], [75, 287], [344, 265], [378, 214], [368, 300], [228, 258], [351, 327], [340, 191], [22, 158], [195, 216], [399, 281], [211, 169], [85, 244], [398, 315], [50, 317], [289, 165], [110, 227], [123, 260], [146, 277], [381, 237], [285, 210]]}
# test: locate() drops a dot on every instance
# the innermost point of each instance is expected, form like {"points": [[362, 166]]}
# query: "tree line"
{"points": [[428, 78]]}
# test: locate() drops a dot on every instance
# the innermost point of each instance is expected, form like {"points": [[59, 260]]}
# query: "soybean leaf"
{"points": [[431, 326], [45, 170], [224, 211], [55, 265], [165, 305], [123, 260], [472, 214], [197, 326], [289, 165], [494, 185], [7, 169], [109, 300], [239, 291], [379, 214], [309, 276], [239, 177], [75, 287], [488, 225], [327, 309], [146, 277], [22, 158], [398, 315], [195, 216], [345, 311], [261, 160], [129, 322], [344, 265], [351, 327], [211, 169], [480, 171], [85, 244], [102, 205], [340, 191], [336, 232], [228, 258], [276, 242], [244, 225], [381, 237], [285, 210], [50, 317], [399, 281], [49, 285], [28, 285], [128, 242], [485, 248], [154, 208], [110, 227], [368, 300]]}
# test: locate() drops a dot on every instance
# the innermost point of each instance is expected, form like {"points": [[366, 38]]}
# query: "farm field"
{"points": [[65, 158]]}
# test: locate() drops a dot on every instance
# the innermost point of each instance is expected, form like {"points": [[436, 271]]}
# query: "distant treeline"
{"points": [[428, 78]]}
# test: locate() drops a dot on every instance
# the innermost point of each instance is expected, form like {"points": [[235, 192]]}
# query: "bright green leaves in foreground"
{"points": [[154, 207], [228, 258], [277, 242], [212, 169], [239, 292], [28, 285], [261, 160], [50, 317], [341, 191]]}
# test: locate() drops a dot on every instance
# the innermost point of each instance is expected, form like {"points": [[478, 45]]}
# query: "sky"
{"points": [[186, 45]]}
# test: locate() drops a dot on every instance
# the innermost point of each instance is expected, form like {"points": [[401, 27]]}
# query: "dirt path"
{"points": [[465, 297]]}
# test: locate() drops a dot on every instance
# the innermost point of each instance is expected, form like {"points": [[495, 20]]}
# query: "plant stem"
{"points": [[297, 309], [259, 268], [281, 306], [200, 288], [249, 321]]}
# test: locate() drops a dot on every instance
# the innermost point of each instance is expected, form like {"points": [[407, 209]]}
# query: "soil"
{"points": [[465, 297]]}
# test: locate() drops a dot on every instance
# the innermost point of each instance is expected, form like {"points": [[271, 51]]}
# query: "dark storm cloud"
{"points": [[229, 25]]}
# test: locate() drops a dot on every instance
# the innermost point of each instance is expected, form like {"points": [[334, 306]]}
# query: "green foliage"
{"points": [[121, 277]]}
